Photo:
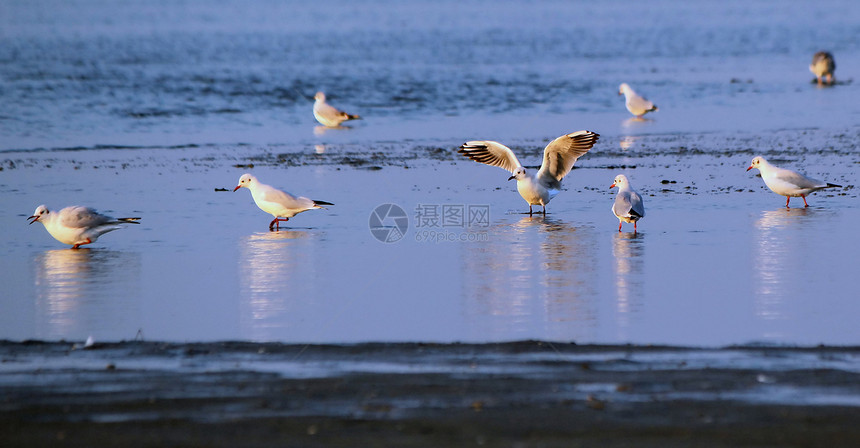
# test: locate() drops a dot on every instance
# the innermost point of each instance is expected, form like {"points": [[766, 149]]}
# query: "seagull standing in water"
{"points": [[636, 104], [327, 114], [537, 188], [628, 206], [77, 225], [279, 204], [823, 67], [786, 182]]}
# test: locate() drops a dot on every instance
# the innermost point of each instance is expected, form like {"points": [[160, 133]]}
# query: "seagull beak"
{"points": [[749, 168], [34, 218], [612, 186], [512, 177], [237, 187]]}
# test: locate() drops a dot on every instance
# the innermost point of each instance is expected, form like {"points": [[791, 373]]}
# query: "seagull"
{"points": [[329, 115], [636, 104], [558, 158], [787, 183], [77, 225], [628, 205], [280, 204], [823, 67]]}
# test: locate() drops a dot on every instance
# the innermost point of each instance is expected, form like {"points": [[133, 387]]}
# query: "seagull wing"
{"points": [[285, 199], [797, 179], [83, 217], [639, 102], [330, 113], [491, 153], [560, 155], [637, 207]]}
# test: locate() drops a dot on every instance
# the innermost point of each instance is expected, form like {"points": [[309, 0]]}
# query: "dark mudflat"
{"points": [[516, 394]]}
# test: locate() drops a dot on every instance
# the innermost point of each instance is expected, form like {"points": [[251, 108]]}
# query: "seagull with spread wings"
{"points": [[537, 188]]}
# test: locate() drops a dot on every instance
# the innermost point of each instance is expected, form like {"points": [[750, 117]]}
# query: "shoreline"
{"points": [[410, 394]]}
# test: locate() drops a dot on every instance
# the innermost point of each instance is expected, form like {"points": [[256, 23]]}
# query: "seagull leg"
{"points": [[78, 246], [276, 223], [619, 226], [544, 210], [787, 198], [530, 209], [634, 226], [804, 200]]}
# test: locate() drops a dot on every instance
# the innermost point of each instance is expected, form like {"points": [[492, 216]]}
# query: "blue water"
{"points": [[144, 108], [83, 73]]}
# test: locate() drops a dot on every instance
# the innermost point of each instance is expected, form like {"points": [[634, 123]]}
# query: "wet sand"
{"points": [[512, 394]]}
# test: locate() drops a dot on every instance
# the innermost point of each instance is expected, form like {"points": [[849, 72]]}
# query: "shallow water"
{"points": [[149, 108]]}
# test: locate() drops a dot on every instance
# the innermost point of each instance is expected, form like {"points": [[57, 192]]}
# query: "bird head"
{"points": [[40, 211], [756, 162], [519, 174], [246, 181]]}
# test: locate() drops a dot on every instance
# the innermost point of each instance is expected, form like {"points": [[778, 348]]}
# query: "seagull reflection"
{"points": [[775, 256], [627, 142], [322, 130], [780, 218], [532, 275], [85, 292], [635, 121], [275, 272], [628, 250]]}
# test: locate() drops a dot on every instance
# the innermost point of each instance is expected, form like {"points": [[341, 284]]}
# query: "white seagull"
{"points": [[537, 188], [77, 225], [280, 204], [636, 104], [823, 67], [628, 206], [327, 114], [787, 183]]}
